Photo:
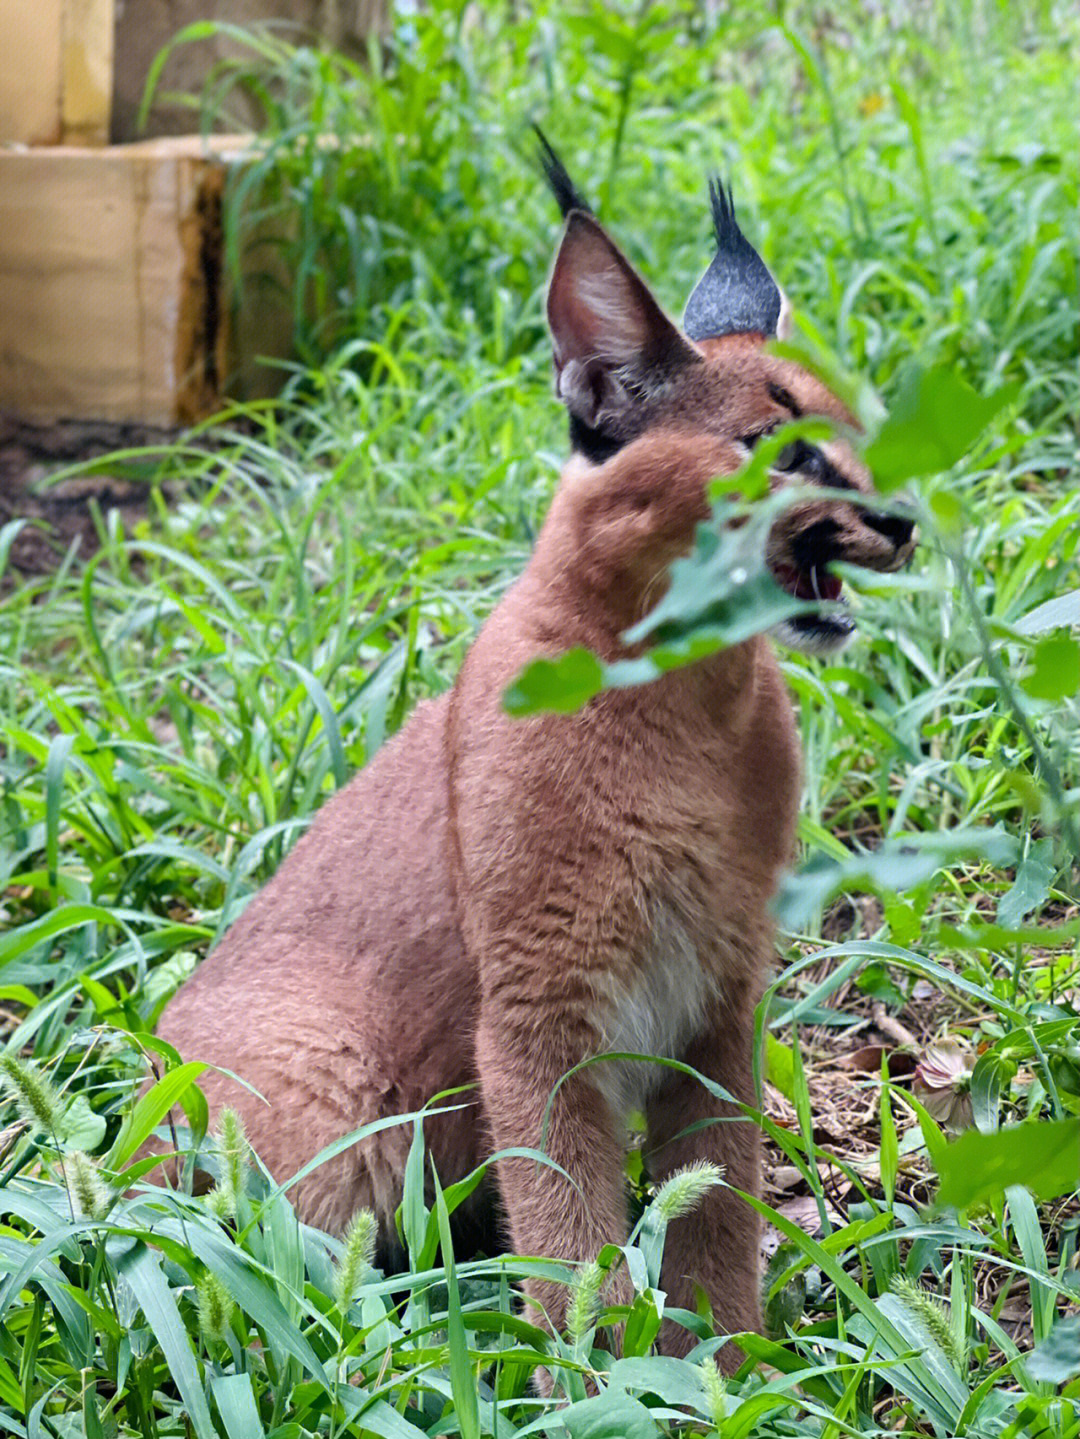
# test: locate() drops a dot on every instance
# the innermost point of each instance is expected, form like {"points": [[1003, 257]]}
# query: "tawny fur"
{"points": [[493, 901]]}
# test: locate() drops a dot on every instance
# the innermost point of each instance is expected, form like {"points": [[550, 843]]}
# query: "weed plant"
{"points": [[176, 707]]}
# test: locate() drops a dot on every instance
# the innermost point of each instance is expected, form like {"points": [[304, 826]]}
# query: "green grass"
{"points": [[174, 709]]}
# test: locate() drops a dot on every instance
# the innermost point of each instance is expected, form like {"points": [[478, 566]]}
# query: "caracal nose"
{"points": [[895, 525]]}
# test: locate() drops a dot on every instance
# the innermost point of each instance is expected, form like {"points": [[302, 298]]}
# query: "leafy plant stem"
{"points": [[1065, 813]]}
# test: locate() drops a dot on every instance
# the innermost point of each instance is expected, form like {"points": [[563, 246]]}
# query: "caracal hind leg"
{"points": [[325, 1065]]}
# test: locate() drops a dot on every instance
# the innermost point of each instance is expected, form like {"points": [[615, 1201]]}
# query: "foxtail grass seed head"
{"points": [[715, 1391], [357, 1256], [234, 1151], [217, 1201], [933, 1314], [35, 1098], [585, 1301], [686, 1188], [215, 1307], [91, 1195]]}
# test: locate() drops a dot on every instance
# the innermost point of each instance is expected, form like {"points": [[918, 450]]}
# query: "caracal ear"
{"points": [[613, 344]]}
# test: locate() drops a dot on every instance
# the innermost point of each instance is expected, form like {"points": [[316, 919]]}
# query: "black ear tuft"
{"points": [[725, 225], [736, 293], [566, 193]]}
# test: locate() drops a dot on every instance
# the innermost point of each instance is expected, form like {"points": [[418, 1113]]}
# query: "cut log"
{"points": [[56, 79], [117, 304]]}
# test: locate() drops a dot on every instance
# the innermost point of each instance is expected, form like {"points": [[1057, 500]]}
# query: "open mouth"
{"points": [[815, 583], [826, 631]]}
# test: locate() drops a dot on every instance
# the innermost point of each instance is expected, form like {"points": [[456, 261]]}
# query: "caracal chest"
{"points": [[712, 864], [657, 1006]]}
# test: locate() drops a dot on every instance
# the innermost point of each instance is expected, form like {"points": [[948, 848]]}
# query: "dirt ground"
{"points": [[61, 513]]}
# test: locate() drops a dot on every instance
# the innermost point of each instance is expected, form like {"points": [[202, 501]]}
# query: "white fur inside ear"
{"points": [[785, 325], [618, 330], [591, 389], [573, 388]]}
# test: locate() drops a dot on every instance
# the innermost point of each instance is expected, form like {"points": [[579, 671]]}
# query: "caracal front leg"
{"points": [[520, 1060], [717, 1246]]}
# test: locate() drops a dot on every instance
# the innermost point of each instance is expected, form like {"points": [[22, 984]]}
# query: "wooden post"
{"points": [[56, 77], [117, 305]]}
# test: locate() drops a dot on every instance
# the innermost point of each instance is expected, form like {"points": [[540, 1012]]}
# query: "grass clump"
{"points": [[175, 708]]}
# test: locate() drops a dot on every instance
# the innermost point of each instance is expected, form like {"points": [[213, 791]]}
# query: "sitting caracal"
{"points": [[491, 900]]}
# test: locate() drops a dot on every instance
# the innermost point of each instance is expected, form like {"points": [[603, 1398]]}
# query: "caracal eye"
{"points": [[799, 456], [790, 457]]}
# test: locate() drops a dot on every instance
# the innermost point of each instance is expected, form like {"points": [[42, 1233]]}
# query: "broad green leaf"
{"points": [[562, 685], [1034, 876], [1056, 675], [496, 1322], [1057, 1359], [686, 634], [605, 1416], [235, 1400], [80, 1127], [780, 1065], [744, 1420], [671, 1380], [10, 1392], [935, 419], [20, 994], [1043, 1155], [721, 593], [989, 937], [284, 1252], [374, 1416], [412, 1213], [108, 1009], [185, 854], [1053, 614], [91, 1418], [66, 1301]]}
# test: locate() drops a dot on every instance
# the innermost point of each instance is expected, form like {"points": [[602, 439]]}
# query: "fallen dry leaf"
{"points": [[868, 1061], [803, 1211]]}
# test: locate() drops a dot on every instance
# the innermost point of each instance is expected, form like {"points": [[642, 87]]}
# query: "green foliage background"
{"points": [[175, 708]]}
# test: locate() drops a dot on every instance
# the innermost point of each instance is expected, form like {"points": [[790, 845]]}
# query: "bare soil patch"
{"points": [[65, 512]]}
